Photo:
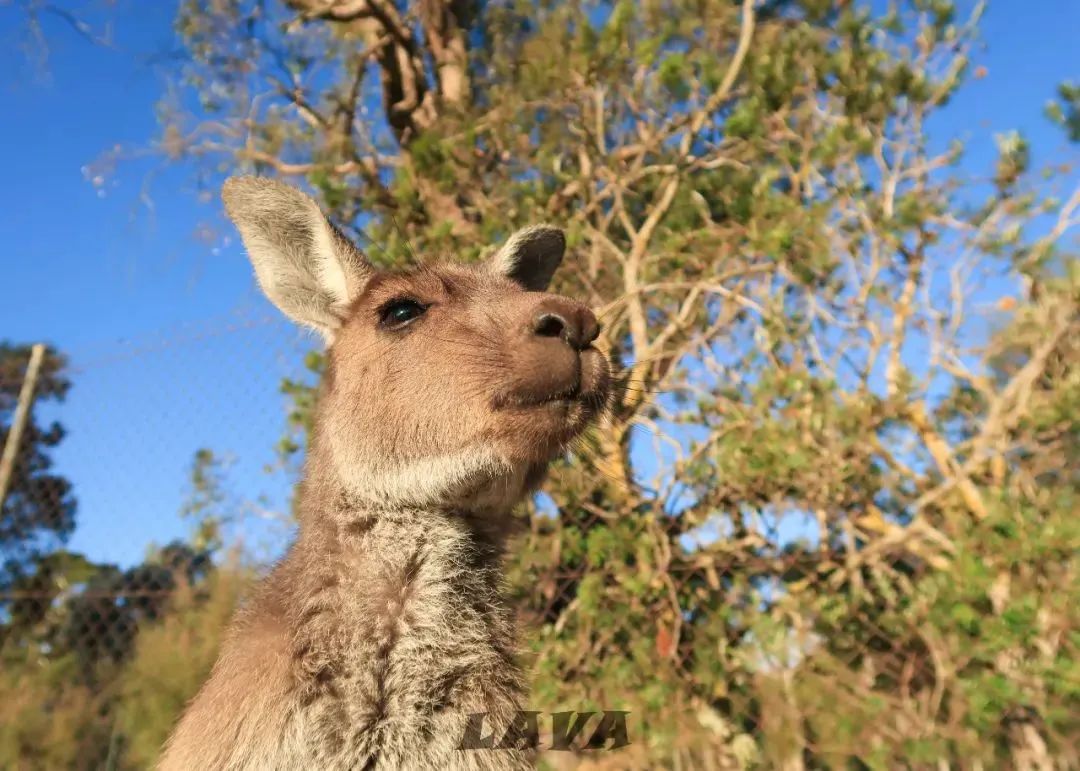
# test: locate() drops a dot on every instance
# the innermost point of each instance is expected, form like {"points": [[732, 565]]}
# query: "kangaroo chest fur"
{"points": [[398, 632]]}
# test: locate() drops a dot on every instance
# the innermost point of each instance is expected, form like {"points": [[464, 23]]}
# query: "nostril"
{"points": [[550, 325]]}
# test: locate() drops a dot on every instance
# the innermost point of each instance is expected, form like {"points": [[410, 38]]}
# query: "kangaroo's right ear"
{"points": [[304, 264]]}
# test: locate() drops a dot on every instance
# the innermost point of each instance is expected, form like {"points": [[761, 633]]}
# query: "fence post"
{"points": [[18, 422]]}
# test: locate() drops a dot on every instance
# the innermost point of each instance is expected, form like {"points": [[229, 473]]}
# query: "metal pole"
{"points": [[18, 422]]}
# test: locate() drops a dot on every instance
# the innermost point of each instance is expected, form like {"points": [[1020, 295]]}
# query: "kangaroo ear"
{"points": [[304, 264], [531, 256]]}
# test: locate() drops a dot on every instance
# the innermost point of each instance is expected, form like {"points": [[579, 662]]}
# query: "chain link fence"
{"points": [[152, 485]]}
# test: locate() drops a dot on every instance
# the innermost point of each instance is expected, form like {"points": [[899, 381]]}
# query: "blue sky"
{"points": [[99, 275]]}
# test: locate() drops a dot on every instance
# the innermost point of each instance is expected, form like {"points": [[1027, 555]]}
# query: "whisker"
{"points": [[376, 244], [405, 240], [478, 333]]}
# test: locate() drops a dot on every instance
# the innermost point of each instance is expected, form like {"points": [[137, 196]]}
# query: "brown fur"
{"points": [[384, 625]]}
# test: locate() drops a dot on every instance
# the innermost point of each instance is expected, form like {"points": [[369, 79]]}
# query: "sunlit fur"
{"points": [[384, 625]]}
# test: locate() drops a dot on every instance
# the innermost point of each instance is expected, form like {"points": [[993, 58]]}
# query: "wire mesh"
{"points": [[148, 497]]}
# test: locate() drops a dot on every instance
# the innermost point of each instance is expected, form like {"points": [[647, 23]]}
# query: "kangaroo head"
{"points": [[447, 384]]}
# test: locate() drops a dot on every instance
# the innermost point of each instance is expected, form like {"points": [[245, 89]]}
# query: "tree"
{"points": [[38, 512], [84, 689], [814, 450], [1066, 110], [153, 690]]}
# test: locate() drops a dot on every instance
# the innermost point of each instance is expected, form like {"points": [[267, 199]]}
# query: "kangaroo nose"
{"points": [[574, 324]]}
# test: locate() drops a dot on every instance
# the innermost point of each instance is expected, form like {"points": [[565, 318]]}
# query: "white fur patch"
{"points": [[328, 266], [530, 256], [437, 480]]}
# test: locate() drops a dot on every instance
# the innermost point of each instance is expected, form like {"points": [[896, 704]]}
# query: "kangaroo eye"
{"points": [[398, 313]]}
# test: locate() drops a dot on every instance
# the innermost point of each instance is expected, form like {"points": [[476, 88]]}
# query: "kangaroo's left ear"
{"points": [[531, 256]]}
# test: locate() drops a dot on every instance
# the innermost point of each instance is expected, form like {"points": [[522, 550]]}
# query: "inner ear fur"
{"points": [[303, 263]]}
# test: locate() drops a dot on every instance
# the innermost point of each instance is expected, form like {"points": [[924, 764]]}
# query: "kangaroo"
{"points": [[448, 390]]}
